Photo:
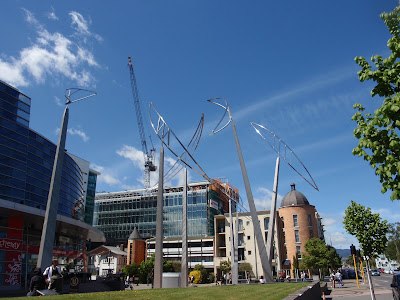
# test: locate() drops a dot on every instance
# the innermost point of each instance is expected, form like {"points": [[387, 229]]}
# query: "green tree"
{"points": [[350, 260], [316, 257], [295, 261], [132, 269], [379, 142], [225, 266], [367, 227], [245, 267], [203, 272], [333, 257], [393, 247]]}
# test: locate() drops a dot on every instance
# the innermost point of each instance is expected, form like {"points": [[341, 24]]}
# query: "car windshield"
{"points": [[398, 280]]}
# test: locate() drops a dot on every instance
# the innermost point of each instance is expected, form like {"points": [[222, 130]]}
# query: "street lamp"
{"points": [[49, 226]]}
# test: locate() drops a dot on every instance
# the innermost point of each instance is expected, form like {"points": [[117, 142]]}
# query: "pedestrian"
{"points": [[132, 279], [303, 276], [225, 278], [230, 278], [37, 283], [192, 279], [333, 278], [54, 276], [262, 280], [248, 278], [338, 276]]}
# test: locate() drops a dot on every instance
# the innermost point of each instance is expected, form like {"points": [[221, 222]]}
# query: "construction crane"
{"points": [[148, 156]]}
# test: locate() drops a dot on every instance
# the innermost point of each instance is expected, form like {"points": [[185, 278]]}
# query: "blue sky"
{"points": [[286, 65]]}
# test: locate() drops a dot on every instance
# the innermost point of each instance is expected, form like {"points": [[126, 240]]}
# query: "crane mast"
{"points": [[148, 156]]}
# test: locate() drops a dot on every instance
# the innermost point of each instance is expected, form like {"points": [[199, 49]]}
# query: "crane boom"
{"points": [[148, 156]]}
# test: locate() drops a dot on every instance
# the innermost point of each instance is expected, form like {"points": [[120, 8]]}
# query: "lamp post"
{"points": [[49, 226]]}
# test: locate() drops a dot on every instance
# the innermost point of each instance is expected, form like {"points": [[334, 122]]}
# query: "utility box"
{"points": [[171, 280]]}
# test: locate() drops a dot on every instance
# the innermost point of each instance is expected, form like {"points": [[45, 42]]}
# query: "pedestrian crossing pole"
{"points": [[353, 252]]}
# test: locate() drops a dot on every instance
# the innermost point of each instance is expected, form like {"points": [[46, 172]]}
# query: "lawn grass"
{"points": [[273, 291]]}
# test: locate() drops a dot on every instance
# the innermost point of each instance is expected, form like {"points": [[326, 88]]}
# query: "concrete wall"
{"points": [[310, 292]]}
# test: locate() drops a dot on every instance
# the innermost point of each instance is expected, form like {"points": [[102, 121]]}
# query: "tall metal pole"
{"points": [[184, 264], [49, 226], [253, 211], [371, 286], [235, 269], [272, 214], [158, 262]]}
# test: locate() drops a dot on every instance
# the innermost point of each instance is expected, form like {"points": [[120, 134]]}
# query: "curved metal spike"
{"points": [[226, 108], [284, 154], [71, 91], [165, 133]]}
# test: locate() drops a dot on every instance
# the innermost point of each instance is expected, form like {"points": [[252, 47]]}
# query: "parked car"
{"points": [[381, 270], [375, 272], [396, 286]]}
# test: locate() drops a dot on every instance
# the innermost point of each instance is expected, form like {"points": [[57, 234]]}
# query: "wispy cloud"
{"points": [[107, 175], [263, 199], [58, 101], [293, 93], [78, 132], [51, 54], [52, 14], [81, 26]]}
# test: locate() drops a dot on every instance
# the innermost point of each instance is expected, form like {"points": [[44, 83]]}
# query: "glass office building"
{"points": [[117, 214], [26, 164]]}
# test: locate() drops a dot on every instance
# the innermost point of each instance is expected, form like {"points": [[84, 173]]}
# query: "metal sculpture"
{"points": [[266, 266], [290, 157], [50, 218], [287, 154]]}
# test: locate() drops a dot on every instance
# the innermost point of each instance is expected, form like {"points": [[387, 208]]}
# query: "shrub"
{"points": [[197, 276]]}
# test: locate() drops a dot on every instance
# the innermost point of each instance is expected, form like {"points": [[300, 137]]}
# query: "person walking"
{"points": [[333, 278], [338, 276]]}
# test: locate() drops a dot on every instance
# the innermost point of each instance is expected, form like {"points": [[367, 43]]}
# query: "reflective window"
{"points": [[266, 223], [297, 236], [295, 223], [309, 220]]}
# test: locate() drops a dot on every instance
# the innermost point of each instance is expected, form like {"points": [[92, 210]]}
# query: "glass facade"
{"points": [[26, 160], [90, 196], [117, 214]]}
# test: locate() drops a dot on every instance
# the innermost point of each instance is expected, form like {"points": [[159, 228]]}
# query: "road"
{"points": [[350, 290]]}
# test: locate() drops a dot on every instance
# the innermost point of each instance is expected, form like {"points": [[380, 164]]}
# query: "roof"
{"points": [[107, 249], [135, 235], [294, 198]]}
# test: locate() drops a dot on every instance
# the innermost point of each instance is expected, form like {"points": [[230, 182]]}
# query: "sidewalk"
{"points": [[350, 290]]}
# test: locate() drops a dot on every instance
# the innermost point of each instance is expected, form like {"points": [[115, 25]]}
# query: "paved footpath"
{"points": [[351, 291]]}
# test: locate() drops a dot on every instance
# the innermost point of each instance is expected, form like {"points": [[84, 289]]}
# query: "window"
{"points": [[311, 234], [284, 237], [266, 223], [266, 236], [297, 236], [248, 237], [248, 252], [295, 223], [247, 223], [241, 225], [298, 251], [283, 223], [309, 220]]}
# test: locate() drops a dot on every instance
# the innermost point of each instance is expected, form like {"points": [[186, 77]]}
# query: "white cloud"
{"points": [[263, 199], [81, 26], [58, 101], [78, 132], [106, 176], [387, 214], [52, 14], [133, 154], [329, 222], [51, 54]]}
